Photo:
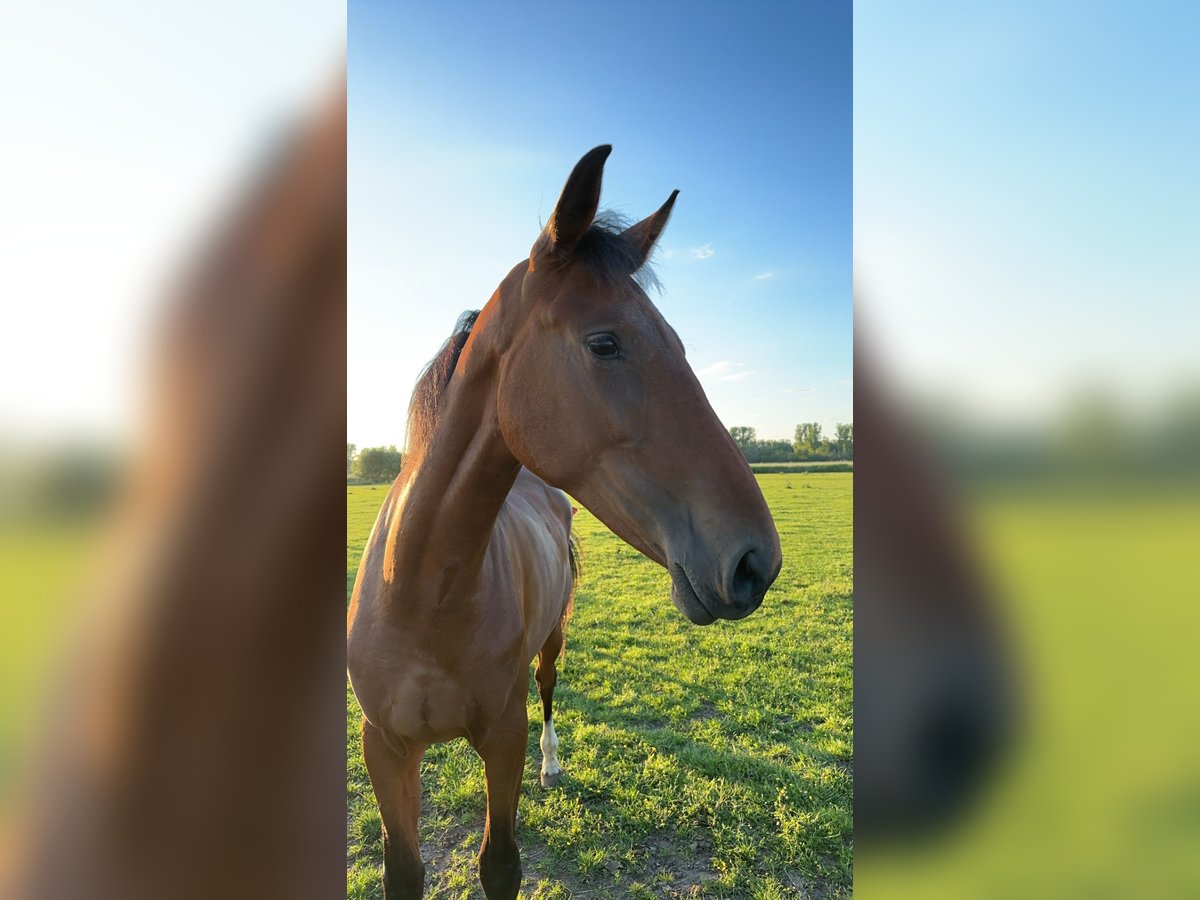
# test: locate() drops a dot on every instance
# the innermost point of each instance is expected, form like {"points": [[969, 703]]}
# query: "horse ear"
{"points": [[576, 207], [646, 232]]}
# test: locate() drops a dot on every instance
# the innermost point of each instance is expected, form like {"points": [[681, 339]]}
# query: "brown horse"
{"points": [[570, 379]]}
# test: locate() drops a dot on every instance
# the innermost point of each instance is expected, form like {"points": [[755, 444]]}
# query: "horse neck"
{"points": [[448, 502]]}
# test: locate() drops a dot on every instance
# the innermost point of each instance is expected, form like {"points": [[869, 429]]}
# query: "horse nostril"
{"points": [[749, 581], [956, 741]]}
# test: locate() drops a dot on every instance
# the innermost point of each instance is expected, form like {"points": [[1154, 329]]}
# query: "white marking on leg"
{"points": [[549, 748]]}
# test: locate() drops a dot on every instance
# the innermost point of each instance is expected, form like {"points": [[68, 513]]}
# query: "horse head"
{"points": [[595, 395]]}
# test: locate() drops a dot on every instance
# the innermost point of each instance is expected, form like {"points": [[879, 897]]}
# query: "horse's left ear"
{"points": [[646, 232], [576, 207]]}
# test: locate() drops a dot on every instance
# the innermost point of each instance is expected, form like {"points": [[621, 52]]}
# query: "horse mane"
{"points": [[431, 385], [610, 255], [426, 402]]}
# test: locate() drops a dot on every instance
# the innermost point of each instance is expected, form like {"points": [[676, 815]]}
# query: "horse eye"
{"points": [[604, 346]]}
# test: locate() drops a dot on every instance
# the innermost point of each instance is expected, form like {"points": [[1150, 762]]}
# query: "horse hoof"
{"points": [[550, 779]]}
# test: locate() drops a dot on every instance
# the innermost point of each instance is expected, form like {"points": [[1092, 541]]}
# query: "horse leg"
{"points": [[396, 779], [546, 676], [503, 762]]}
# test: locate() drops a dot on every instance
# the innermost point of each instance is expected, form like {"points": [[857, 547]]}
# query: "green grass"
{"points": [[699, 762], [796, 468], [42, 569], [1100, 797]]}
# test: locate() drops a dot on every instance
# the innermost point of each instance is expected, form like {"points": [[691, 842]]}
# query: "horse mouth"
{"points": [[686, 599]]}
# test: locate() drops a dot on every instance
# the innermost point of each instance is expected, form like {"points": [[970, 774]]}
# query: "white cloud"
{"points": [[702, 253], [725, 370], [718, 368], [798, 390], [764, 276]]}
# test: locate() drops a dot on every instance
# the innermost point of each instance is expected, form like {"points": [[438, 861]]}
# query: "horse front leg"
{"points": [[546, 676], [503, 756], [395, 772]]}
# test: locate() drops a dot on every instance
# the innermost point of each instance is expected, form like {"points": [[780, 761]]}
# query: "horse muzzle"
{"points": [[733, 592]]}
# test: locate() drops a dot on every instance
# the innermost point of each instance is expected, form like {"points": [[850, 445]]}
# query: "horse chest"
{"points": [[432, 703]]}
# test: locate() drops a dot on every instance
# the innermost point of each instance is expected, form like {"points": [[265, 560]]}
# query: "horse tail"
{"points": [[575, 556]]}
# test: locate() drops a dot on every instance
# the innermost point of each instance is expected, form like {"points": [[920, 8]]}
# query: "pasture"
{"points": [[698, 762], [1099, 798]]}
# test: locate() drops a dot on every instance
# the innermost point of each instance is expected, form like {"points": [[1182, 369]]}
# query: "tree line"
{"points": [[373, 464], [807, 445], [382, 464]]}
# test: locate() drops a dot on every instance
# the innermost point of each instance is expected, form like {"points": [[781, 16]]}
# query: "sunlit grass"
{"points": [[42, 566], [1101, 798]]}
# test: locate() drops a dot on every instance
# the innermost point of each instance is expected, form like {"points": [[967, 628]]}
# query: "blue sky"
{"points": [[135, 129], [466, 119], [1027, 199]]}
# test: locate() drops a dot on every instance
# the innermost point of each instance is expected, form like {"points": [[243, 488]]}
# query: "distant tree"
{"points": [[742, 436], [773, 451], [378, 464], [760, 451], [845, 440], [808, 443], [351, 449], [73, 480]]}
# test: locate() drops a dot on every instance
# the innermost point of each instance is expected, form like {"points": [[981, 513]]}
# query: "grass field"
{"points": [[42, 566], [698, 762], [1101, 796], [797, 468]]}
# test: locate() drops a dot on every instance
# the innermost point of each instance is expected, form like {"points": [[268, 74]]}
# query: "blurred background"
{"points": [[130, 133], [1026, 225], [172, 211]]}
